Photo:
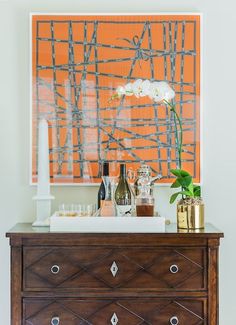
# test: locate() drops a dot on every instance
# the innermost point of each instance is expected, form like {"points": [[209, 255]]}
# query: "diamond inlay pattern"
{"points": [[114, 269], [114, 319], [87, 267], [125, 312]]}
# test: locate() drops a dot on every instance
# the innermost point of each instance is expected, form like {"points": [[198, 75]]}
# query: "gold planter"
{"points": [[190, 216]]}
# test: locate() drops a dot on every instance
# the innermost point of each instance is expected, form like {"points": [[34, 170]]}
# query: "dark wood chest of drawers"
{"points": [[114, 279]]}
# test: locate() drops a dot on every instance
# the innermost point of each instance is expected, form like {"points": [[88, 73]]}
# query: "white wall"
{"points": [[219, 146]]}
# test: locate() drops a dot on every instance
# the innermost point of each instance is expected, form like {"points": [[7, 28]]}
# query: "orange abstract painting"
{"points": [[78, 62]]}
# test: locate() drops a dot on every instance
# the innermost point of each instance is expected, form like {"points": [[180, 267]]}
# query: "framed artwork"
{"points": [[77, 63]]}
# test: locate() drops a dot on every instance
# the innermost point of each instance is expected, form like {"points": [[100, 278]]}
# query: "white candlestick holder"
{"points": [[43, 198], [43, 210]]}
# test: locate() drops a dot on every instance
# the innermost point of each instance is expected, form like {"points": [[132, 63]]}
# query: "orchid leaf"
{"points": [[185, 181], [173, 197], [176, 172], [191, 189], [176, 184], [197, 190], [186, 193], [179, 172]]}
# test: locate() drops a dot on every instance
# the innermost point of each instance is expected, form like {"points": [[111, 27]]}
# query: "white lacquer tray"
{"points": [[107, 224]]}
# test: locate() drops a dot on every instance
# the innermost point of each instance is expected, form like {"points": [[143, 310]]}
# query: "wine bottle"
{"points": [[102, 189], [123, 194]]}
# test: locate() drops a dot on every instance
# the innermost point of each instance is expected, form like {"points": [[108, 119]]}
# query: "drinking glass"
{"points": [[76, 210], [67, 210]]}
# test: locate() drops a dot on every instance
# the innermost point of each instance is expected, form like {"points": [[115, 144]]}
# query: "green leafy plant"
{"points": [[184, 181]]}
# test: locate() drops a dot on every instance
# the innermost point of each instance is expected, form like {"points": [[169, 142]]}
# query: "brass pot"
{"points": [[190, 216]]}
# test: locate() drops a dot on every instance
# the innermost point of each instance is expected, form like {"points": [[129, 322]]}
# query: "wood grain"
{"points": [[84, 291]]}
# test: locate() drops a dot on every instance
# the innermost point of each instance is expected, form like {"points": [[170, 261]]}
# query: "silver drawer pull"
{"points": [[55, 269], [114, 269], [55, 321], [114, 319], [174, 320], [174, 269]]}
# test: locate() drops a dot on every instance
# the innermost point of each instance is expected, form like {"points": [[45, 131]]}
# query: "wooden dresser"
{"points": [[114, 279]]}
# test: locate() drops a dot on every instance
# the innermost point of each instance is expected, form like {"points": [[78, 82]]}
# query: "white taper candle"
{"points": [[43, 188]]}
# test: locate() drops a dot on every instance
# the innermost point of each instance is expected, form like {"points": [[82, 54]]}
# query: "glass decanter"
{"points": [[145, 200]]}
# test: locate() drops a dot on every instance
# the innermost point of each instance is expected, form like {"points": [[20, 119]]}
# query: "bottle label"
{"points": [[101, 203], [123, 210]]}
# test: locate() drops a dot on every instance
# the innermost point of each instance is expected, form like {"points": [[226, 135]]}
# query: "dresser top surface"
{"points": [[26, 230]]}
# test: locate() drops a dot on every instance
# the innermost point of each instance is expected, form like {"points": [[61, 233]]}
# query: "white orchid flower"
{"points": [[153, 92], [145, 88], [161, 91], [165, 91], [129, 89], [120, 91], [137, 87], [157, 91]]}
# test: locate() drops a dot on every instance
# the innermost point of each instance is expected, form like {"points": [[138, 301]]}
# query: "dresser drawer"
{"points": [[111, 268], [124, 312]]}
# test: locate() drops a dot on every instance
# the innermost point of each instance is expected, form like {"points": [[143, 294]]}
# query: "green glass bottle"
{"points": [[123, 194]]}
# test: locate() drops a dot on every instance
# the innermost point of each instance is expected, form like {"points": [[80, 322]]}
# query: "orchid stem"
{"points": [[179, 137]]}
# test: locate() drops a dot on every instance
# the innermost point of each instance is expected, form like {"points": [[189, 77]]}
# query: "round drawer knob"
{"points": [[55, 269], [174, 320], [174, 268], [55, 321]]}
